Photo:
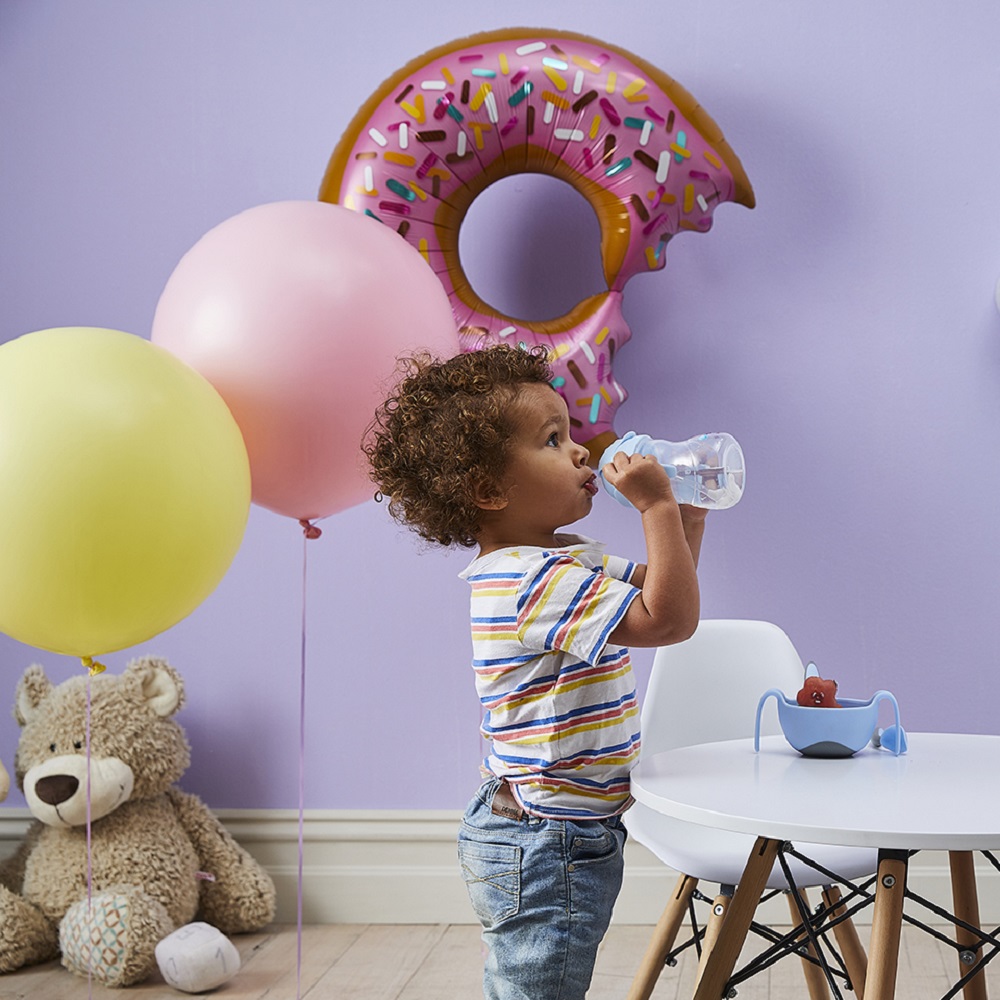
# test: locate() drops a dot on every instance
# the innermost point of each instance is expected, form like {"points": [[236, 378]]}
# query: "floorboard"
{"points": [[444, 962]]}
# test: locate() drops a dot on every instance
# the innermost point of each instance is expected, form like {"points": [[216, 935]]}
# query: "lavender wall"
{"points": [[845, 331]]}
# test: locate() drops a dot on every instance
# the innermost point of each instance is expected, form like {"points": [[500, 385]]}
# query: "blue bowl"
{"points": [[827, 732]]}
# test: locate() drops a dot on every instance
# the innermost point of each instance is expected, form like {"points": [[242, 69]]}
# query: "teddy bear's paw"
{"points": [[26, 936], [113, 936], [197, 957], [243, 911]]}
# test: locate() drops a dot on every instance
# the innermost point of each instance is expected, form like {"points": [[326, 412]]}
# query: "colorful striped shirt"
{"points": [[559, 702]]}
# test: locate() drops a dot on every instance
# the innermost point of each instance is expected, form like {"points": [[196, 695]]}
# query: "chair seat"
{"points": [[711, 855]]}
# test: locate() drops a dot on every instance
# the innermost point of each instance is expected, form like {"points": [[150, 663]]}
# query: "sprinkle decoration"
{"points": [[505, 102]]}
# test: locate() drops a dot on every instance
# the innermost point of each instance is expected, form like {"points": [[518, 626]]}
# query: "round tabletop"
{"points": [[940, 795]]}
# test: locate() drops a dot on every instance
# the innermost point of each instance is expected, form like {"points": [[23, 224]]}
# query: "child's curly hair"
{"points": [[439, 445]]}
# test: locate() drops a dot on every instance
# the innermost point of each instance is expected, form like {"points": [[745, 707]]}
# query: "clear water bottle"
{"points": [[705, 471]]}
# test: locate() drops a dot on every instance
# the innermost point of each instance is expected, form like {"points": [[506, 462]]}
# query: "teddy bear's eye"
{"points": [[77, 744], [52, 747]]}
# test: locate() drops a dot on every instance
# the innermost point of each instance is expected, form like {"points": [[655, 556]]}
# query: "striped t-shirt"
{"points": [[559, 701]]}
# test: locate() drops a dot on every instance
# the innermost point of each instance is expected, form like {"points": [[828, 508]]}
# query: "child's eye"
{"points": [[553, 441]]}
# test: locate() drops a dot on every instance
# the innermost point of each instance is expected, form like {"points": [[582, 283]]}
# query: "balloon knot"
{"points": [[309, 529], [93, 666]]}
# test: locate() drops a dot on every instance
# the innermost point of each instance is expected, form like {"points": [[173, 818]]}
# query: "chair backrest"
{"points": [[707, 688]]}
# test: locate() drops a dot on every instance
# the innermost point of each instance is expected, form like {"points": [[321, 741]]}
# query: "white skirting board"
{"points": [[400, 867]]}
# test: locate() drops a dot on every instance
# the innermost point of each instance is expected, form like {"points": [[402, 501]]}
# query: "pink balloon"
{"points": [[296, 312]]}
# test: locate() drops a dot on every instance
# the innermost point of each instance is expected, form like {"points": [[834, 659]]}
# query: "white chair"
{"points": [[705, 690]]}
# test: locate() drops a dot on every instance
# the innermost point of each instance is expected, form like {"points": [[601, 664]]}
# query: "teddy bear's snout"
{"points": [[70, 790], [56, 788]]}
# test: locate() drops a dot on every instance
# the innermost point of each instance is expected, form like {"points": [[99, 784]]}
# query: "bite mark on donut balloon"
{"points": [[651, 162]]}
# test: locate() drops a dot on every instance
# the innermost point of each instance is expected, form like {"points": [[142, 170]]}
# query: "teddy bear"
{"points": [[158, 857]]}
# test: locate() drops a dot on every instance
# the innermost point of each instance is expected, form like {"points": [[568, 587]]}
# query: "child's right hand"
{"points": [[640, 479]]}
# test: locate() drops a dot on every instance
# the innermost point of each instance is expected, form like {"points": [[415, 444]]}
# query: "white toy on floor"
{"points": [[197, 957]]}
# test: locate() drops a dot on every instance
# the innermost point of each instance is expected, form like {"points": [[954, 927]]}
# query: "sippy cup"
{"points": [[705, 471]]}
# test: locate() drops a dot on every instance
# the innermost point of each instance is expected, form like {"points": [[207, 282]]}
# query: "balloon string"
{"points": [[90, 865], [307, 536]]}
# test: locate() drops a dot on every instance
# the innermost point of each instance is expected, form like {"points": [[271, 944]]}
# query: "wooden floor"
{"points": [[443, 962]]}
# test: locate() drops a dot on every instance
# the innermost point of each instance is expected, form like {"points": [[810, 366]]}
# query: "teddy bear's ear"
{"points": [[32, 689], [156, 684]]}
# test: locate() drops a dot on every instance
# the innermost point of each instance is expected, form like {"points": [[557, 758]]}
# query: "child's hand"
{"points": [[640, 479]]}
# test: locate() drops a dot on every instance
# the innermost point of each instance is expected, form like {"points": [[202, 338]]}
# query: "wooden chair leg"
{"points": [[720, 964], [966, 902], [663, 939], [846, 934], [886, 920], [713, 927], [814, 974]]}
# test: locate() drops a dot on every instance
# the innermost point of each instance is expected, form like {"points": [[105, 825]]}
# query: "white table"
{"points": [[940, 795]]}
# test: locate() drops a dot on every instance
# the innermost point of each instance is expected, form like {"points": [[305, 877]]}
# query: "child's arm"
{"points": [[694, 528], [668, 606]]}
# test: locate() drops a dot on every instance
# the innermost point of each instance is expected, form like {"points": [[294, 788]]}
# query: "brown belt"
{"points": [[504, 803]]}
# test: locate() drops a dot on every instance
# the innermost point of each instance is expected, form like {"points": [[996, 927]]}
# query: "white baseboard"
{"points": [[399, 867]]}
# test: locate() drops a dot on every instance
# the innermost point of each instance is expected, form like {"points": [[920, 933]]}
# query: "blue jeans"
{"points": [[543, 890]]}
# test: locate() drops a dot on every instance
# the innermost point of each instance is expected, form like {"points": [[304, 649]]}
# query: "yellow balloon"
{"points": [[124, 489]]}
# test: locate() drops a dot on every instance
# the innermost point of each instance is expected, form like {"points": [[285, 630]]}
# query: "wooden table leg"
{"points": [[722, 961], [887, 918], [966, 901], [846, 934], [663, 939]]}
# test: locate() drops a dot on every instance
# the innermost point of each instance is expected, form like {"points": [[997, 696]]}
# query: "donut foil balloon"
{"points": [[631, 140]]}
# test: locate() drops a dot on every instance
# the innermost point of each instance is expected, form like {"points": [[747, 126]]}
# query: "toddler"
{"points": [[476, 451]]}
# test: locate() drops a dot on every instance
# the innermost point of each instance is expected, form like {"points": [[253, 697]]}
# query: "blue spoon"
{"points": [[893, 738]]}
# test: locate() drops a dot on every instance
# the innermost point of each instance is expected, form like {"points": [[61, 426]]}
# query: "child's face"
{"points": [[548, 482]]}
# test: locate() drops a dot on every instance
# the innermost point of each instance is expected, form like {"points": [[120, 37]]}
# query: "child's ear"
{"points": [[489, 497], [491, 503]]}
